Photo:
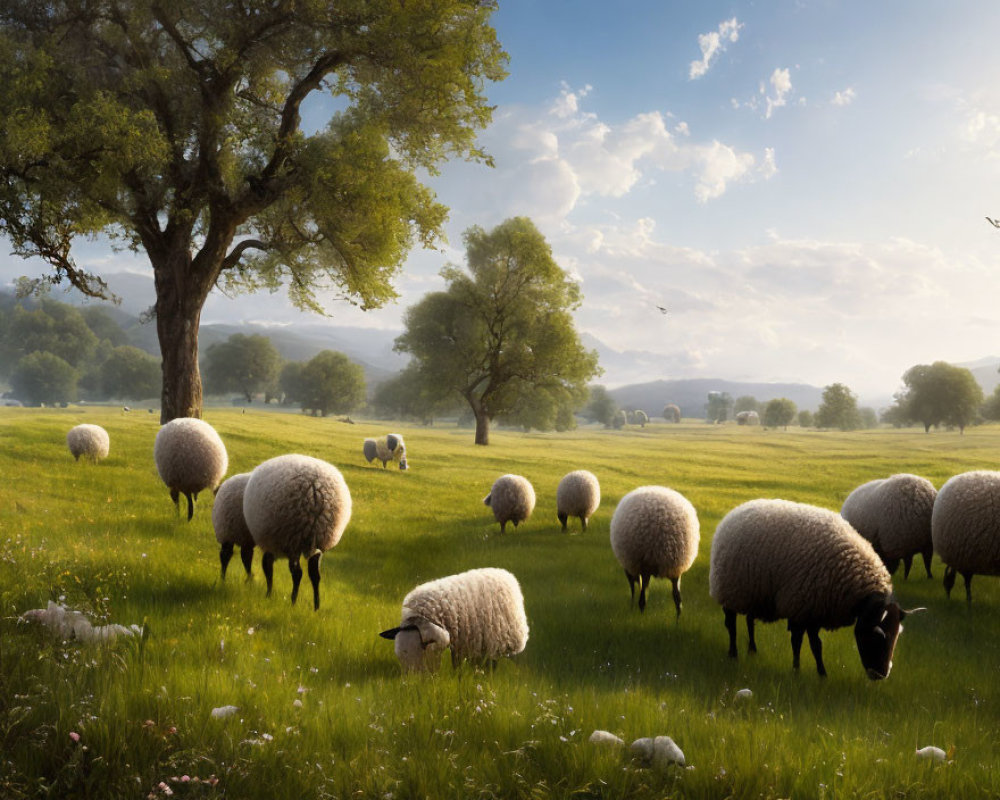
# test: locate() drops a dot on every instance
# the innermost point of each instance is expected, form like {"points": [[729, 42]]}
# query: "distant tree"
{"points": [[805, 418], [332, 383], [103, 326], [43, 377], [746, 403], [718, 407], [991, 408], [244, 364], [941, 393], [290, 382], [601, 407], [779, 412], [52, 327], [503, 328], [839, 409], [671, 413], [130, 374], [868, 417], [544, 411], [406, 395]]}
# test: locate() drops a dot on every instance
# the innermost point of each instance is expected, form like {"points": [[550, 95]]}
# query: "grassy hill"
{"points": [[323, 708]]}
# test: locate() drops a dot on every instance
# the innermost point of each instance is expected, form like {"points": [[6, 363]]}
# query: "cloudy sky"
{"points": [[803, 185]]}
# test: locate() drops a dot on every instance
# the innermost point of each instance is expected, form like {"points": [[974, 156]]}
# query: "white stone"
{"points": [[931, 753], [605, 737]]}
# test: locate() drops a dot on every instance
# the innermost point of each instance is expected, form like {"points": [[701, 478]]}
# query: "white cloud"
{"points": [[781, 83], [719, 166], [845, 97], [713, 43]]}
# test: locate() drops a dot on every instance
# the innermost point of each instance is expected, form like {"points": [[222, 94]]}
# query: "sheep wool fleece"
{"points": [[965, 526], [774, 559], [654, 531], [893, 513], [482, 610], [227, 512], [190, 455], [89, 441]]}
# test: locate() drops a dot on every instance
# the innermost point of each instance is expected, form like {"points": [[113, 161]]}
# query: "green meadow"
{"points": [[323, 709]]}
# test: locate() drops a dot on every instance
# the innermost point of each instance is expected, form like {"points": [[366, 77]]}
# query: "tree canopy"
{"points": [[779, 412], [130, 374], [43, 377], [940, 393], [330, 383], [242, 363], [176, 129], [838, 409], [501, 335]]}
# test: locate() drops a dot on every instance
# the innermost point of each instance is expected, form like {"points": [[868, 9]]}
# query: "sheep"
{"points": [[965, 529], [296, 505], [512, 499], [190, 458], [894, 514], [386, 449], [229, 523], [654, 533], [90, 441], [578, 495], [479, 614], [774, 559]]}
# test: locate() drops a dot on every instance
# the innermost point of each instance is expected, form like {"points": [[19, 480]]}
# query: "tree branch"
{"points": [[237, 252]]}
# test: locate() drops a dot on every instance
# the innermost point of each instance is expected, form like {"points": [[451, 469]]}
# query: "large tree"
{"points": [[839, 409], [779, 412], [43, 377], [244, 364], [502, 332], [176, 129], [940, 393], [331, 383]]}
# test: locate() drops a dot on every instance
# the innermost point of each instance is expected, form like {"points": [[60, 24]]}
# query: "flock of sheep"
{"points": [[770, 559]]}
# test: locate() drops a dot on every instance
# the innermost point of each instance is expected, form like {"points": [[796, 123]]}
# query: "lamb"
{"points": [[654, 533], [894, 514], [479, 614], [965, 529], [512, 499], [190, 458], [578, 495], [229, 523], [296, 505], [774, 559], [386, 449], [90, 441]]}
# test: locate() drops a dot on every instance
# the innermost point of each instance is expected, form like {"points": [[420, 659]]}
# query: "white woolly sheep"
{"points": [[512, 499], [190, 458], [894, 514], [296, 506], [229, 523], [965, 528], [774, 559], [90, 441], [578, 495], [386, 448], [479, 614], [654, 533]]}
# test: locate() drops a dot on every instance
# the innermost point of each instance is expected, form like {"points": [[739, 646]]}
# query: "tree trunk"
{"points": [[178, 314], [482, 427]]}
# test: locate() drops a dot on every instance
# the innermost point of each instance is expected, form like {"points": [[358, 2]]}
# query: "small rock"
{"points": [[743, 694], [224, 711], [935, 754], [605, 737]]}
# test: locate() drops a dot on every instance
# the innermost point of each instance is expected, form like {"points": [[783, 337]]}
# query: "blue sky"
{"points": [[802, 184]]}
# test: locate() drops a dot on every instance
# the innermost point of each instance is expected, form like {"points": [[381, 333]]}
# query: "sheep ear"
{"points": [[392, 633], [432, 634]]}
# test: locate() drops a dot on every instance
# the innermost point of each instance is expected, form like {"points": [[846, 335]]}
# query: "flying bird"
{"points": [[994, 222], [664, 311]]}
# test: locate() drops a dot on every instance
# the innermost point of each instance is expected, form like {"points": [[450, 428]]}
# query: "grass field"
{"points": [[323, 708]]}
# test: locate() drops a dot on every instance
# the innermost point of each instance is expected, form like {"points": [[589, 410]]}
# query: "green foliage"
{"points": [[105, 539], [601, 407], [991, 408], [838, 409], [52, 327], [868, 417], [130, 374], [245, 364], [779, 412], [805, 418], [501, 335], [746, 403], [43, 377], [408, 396], [940, 394], [331, 383], [718, 407]]}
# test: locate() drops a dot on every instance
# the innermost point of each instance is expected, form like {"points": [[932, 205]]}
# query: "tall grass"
{"points": [[323, 708]]}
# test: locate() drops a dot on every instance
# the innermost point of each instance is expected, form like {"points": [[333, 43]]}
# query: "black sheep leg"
{"points": [[907, 563], [225, 554], [562, 519], [313, 565], [267, 565], [817, 649], [731, 627], [295, 568], [246, 556], [928, 554], [967, 577], [677, 595], [190, 505], [753, 642], [631, 585], [176, 497], [643, 585], [797, 633]]}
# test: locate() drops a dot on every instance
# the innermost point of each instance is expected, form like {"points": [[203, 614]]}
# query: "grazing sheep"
{"points": [[90, 441], [295, 506], [229, 523], [773, 559], [965, 528], [190, 458], [479, 614], [385, 449], [654, 533], [894, 514], [578, 495], [512, 499]]}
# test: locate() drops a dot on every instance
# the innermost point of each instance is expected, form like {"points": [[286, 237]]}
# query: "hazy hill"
{"points": [[692, 394]]}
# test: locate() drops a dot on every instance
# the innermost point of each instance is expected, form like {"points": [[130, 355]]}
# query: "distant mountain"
{"points": [[692, 394], [985, 372]]}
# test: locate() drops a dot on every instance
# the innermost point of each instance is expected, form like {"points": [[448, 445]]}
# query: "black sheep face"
{"points": [[877, 629]]}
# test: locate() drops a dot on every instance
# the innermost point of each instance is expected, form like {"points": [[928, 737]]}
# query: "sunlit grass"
{"points": [[323, 708]]}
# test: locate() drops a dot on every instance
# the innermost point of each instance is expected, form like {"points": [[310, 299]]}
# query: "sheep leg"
{"points": [[562, 520], [817, 650], [176, 497], [313, 565], [583, 522], [190, 506], [753, 642], [246, 556], [907, 563], [225, 553], [731, 627], [631, 586], [643, 585], [891, 564], [797, 633], [295, 568], [967, 576], [677, 595], [949, 581], [928, 554], [267, 565]]}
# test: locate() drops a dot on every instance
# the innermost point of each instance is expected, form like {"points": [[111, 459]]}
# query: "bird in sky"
{"points": [[994, 222], [662, 309]]}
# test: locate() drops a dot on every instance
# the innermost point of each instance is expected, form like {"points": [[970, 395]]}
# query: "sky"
{"points": [[802, 185]]}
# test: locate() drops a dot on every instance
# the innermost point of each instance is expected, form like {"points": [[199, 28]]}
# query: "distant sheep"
{"points": [[512, 499], [295, 506], [671, 413], [479, 614], [965, 527], [773, 559], [578, 495], [654, 533], [387, 448], [190, 458], [90, 441], [894, 514], [229, 523]]}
